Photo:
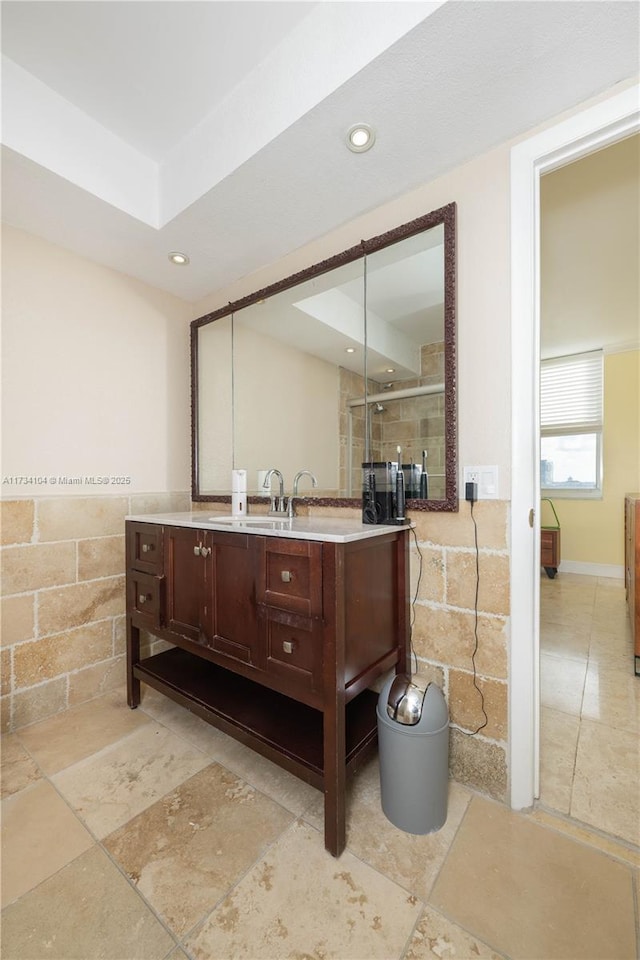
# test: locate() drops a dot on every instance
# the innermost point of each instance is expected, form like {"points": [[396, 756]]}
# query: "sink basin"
{"points": [[246, 521]]}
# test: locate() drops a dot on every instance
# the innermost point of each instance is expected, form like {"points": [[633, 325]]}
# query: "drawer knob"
{"points": [[197, 551], [287, 646], [205, 551], [285, 576], [147, 547]]}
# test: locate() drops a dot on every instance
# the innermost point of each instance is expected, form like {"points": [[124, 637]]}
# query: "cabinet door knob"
{"points": [[287, 646], [197, 550], [143, 598], [205, 551], [285, 576], [147, 547]]}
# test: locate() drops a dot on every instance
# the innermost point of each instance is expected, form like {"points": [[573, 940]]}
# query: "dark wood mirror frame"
{"points": [[444, 215]]}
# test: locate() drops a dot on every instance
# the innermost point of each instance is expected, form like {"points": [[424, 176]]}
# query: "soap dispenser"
{"points": [[238, 493]]}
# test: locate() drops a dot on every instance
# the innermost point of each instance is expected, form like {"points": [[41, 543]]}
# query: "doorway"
{"points": [[590, 130], [589, 697]]}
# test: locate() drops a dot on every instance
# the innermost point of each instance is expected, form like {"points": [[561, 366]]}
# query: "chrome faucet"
{"points": [[299, 474], [278, 506]]}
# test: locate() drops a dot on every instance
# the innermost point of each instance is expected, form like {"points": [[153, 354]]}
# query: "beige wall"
{"points": [[95, 375], [590, 251], [592, 531], [95, 381]]}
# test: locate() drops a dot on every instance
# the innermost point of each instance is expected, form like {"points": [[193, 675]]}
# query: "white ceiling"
{"points": [[131, 129]]}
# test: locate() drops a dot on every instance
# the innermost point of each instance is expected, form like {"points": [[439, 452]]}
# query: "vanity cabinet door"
{"points": [[185, 570], [232, 594], [211, 592]]}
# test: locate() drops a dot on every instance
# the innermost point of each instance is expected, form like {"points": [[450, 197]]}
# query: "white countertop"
{"points": [[336, 529]]}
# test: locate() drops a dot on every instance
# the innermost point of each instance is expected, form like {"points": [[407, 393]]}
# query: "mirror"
{"points": [[344, 362]]}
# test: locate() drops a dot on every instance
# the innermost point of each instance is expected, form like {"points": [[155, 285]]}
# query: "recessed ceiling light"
{"points": [[180, 259], [350, 350], [360, 137], [390, 370]]}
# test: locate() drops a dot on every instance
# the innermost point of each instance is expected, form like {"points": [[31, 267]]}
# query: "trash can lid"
{"points": [[406, 695], [415, 701]]}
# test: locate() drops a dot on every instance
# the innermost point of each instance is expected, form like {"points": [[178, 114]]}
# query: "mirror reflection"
{"points": [[350, 361], [403, 417], [298, 357]]}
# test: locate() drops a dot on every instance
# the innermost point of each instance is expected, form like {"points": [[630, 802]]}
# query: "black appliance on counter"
{"points": [[382, 492]]}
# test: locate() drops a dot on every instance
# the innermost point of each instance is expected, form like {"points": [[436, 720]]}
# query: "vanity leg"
{"points": [[335, 777], [133, 657], [334, 720]]}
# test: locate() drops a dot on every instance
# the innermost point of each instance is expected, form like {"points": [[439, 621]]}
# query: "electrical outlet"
{"points": [[486, 479], [471, 475]]}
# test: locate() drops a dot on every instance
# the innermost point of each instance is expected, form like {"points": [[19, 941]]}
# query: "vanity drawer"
{"points": [[294, 652], [291, 576], [145, 597], [144, 547]]}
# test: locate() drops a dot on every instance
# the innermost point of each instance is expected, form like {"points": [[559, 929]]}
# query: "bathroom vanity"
{"points": [[279, 629]]}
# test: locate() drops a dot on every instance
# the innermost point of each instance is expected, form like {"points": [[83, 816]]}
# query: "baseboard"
{"points": [[611, 570]]}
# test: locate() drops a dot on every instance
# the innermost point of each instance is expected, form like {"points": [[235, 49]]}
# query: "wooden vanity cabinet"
{"points": [[276, 641]]}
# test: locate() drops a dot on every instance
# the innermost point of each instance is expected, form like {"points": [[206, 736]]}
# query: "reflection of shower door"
{"points": [[412, 419]]}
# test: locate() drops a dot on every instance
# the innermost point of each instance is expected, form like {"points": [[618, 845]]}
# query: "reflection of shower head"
{"points": [[377, 408]]}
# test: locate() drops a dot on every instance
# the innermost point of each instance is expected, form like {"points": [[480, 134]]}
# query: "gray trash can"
{"points": [[413, 742]]}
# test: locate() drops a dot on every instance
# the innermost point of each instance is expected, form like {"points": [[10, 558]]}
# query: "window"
{"points": [[571, 425]]}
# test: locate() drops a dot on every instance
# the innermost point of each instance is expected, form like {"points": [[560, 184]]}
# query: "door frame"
{"points": [[592, 129]]}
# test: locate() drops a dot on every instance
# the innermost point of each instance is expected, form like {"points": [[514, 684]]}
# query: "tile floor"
{"points": [[590, 705], [148, 834]]}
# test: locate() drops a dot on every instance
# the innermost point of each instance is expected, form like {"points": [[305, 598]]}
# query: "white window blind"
{"points": [[571, 394]]}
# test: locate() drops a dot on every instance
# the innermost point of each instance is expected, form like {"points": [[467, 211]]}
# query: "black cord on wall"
{"points": [[415, 597], [475, 632], [475, 626]]}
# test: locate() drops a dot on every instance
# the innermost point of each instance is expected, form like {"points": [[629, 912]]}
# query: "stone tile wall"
{"points": [[443, 588], [416, 423], [63, 631], [443, 582], [63, 599]]}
